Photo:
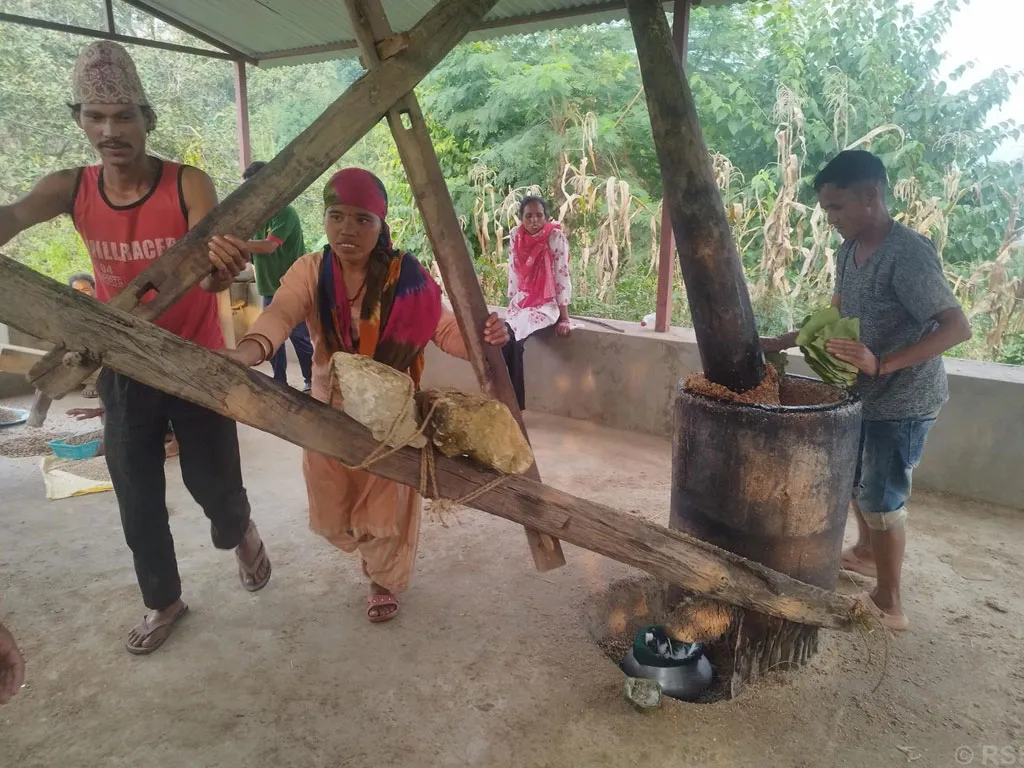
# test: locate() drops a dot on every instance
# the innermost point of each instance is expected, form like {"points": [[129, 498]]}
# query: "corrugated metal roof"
{"points": [[275, 32]]}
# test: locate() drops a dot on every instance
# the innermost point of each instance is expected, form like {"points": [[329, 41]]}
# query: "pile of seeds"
{"points": [[765, 393], [91, 469], [22, 443], [85, 437]]}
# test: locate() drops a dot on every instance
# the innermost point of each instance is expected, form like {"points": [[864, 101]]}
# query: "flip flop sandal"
{"points": [[381, 601], [159, 631], [249, 574]]}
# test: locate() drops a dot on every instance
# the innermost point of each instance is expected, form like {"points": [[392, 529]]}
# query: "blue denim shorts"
{"points": [[889, 453]]}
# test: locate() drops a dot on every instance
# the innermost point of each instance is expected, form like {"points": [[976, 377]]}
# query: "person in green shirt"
{"points": [[283, 237]]}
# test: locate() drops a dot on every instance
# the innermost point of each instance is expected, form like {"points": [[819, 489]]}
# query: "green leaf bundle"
{"points": [[815, 332]]}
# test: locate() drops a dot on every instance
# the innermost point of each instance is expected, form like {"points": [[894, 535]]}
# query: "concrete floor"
{"points": [[489, 662]]}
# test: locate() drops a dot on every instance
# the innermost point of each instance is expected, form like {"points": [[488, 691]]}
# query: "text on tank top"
{"points": [[123, 240]]}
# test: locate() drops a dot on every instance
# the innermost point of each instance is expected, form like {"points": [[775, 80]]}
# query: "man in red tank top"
{"points": [[129, 209]]}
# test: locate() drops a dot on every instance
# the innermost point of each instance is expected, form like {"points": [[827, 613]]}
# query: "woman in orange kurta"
{"points": [[361, 295]]}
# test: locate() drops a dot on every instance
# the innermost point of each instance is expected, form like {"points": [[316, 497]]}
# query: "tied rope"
{"points": [[428, 471]]}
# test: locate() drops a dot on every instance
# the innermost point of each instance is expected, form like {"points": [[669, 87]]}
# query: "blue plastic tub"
{"points": [[84, 451]]}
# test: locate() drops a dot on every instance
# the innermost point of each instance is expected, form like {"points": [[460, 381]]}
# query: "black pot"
{"points": [[686, 680]]}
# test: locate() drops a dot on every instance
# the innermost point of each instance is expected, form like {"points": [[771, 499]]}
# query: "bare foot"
{"points": [[890, 613], [154, 629], [859, 561], [382, 604]]}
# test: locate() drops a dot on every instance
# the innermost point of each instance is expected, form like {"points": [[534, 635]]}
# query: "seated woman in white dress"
{"points": [[539, 288]]}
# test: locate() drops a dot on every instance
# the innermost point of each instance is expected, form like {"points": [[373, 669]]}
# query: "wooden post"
{"points": [[158, 358], [663, 312], [40, 407], [723, 319], [453, 257], [297, 166]]}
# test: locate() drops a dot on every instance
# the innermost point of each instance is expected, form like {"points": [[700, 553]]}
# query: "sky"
{"points": [[988, 32]]}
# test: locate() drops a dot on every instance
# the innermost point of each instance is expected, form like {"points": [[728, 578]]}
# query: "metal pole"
{"points": [[227, 321], [242, 115], [110, 17], [666, 251]]}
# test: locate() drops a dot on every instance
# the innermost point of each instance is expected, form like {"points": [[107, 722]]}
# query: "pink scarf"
{"points": [[534, 265]]}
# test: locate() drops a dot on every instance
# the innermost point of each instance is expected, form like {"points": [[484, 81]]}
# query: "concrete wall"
{"points": [[627, 380], [14, 384]]}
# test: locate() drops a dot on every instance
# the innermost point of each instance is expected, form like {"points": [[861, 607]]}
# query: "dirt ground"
{"points": [[489, 663]]}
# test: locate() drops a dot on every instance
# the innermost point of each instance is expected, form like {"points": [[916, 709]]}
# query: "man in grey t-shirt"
{"points": [[890, 277]]}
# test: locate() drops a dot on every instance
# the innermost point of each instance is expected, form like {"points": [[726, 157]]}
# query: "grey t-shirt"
{"points": [[896, 294]]}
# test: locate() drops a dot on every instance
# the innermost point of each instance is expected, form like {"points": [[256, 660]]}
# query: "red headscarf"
{"points": [[534, 264], [358, 188]]}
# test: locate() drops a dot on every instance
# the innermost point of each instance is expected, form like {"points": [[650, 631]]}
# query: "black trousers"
{"points": [[513, 353], [133, 442]]}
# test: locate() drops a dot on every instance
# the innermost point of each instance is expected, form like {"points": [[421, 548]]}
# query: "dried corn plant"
{"points": [[998, 296], [817, 277], [741, 209], [655, 229], [587, 124], [931, 216], [837, 97], [482, 178], [778, 251], [995, 289], [583, 194], [616, 223]]}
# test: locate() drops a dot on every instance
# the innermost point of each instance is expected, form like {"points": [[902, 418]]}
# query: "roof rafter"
{"points": [[71, 29]]}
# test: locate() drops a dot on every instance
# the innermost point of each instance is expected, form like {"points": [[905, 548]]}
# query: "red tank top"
{"points": [[123, 240]]}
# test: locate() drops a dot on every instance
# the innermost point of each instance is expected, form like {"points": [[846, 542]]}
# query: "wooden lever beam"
{"points": [[157, 358]]}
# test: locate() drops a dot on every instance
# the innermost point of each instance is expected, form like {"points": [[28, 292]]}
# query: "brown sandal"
{"points": [[159, 631], [378, 602], [254, 577]]}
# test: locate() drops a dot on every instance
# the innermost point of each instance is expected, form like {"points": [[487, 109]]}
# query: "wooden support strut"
{"points": [[138, 349], [40, 407], [723, 320], [449, 245], [297, 166]]}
